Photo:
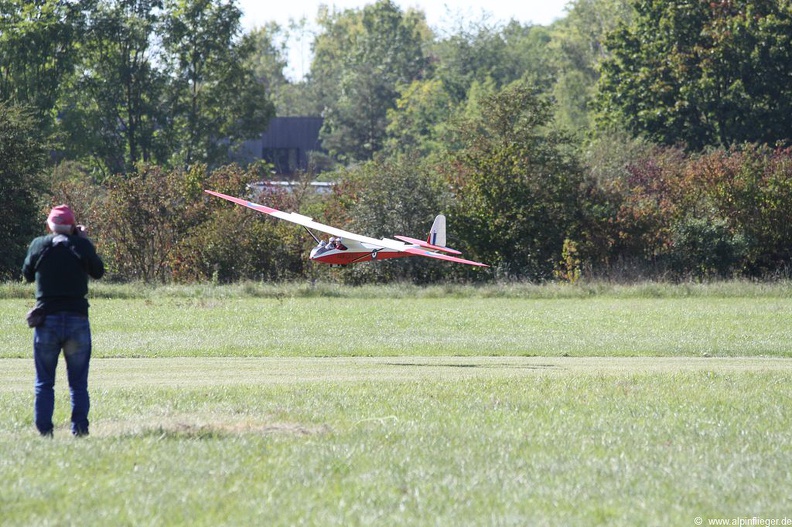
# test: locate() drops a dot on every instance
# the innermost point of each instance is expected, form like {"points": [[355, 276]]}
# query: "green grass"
{"points": [[436, 326], [524, 290], [455, 407]]}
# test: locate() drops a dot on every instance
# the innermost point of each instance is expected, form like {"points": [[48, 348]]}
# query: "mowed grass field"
{"points": [[650, 405]]}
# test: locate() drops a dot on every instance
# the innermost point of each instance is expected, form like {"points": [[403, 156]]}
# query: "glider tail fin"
{"points": [[437, 235]]}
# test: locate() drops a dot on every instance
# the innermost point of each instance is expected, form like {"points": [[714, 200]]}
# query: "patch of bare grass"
{"points": [[197, 427]]}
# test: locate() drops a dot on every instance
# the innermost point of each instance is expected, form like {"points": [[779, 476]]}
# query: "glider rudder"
{"points": [[437, 234]]}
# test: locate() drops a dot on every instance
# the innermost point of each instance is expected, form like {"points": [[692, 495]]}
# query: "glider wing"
{"points": [[427, 244], [440, 256], [305, 221], [371, 243]]}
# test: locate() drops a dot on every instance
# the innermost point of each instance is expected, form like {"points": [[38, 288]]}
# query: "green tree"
{"points": [[517, 183], [336, 36], [214, 98], [113, 116], [527, 56], [466, 56], [268, 61], [22, 160], [384, 51], [701, 73], [415, 124], [471, 60], [577, 49], [504, 54], [37, 51]]}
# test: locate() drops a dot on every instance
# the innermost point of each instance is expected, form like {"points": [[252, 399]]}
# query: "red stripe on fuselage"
{"points": [[345, 258]]}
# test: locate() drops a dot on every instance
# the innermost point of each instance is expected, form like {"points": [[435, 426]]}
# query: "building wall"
{"points": [[286, 144]]}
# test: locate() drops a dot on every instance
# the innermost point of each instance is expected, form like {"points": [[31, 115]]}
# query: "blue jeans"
{"points": [[71, 333]]}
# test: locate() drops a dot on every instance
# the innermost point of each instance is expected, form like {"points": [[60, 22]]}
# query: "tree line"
{"points": [[630, 139]]}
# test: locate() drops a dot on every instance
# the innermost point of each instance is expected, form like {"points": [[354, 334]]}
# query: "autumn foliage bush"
{"points": [[720, 213], [662, 214]]}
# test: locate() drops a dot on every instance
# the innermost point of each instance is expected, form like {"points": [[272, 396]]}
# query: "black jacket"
{"points": [[62, 273]]}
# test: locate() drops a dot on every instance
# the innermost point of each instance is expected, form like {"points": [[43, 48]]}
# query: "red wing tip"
{"points": [[245, 203]]}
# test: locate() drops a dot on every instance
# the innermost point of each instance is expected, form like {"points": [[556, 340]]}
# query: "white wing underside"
{"points": [[367, 241]]}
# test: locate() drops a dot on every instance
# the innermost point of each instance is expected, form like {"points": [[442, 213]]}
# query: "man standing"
{"points": [[61, 263]]}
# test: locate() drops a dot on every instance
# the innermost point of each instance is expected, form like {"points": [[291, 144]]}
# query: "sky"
{"points": [[439, 15], [257, 12]]}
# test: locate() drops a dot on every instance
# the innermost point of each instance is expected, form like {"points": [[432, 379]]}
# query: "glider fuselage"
{"points": [[351, 251]]}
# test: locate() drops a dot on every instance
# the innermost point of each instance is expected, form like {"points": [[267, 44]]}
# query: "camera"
{"points": [[80, 230]]}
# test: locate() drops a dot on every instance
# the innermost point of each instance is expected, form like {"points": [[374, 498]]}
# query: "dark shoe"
{"points": [[48, 434], [80, 432]]}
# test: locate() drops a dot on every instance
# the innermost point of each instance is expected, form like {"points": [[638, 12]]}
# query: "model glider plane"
{"points": [[347, 247]]}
